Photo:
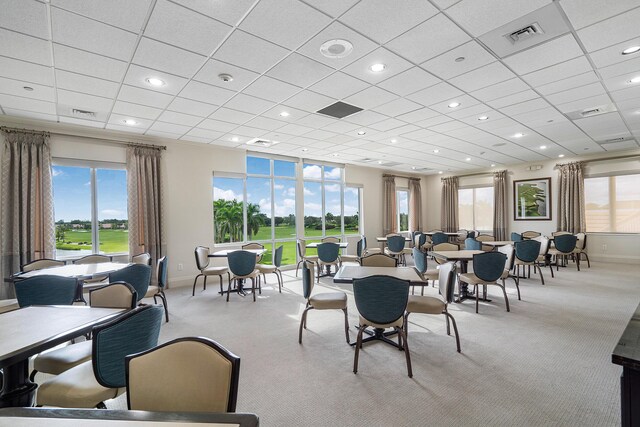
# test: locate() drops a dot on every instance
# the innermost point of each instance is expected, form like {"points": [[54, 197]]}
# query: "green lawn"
{"points": [[111, 241]]}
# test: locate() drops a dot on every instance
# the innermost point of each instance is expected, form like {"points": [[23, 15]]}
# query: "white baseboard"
{"points": [[617, 259]]}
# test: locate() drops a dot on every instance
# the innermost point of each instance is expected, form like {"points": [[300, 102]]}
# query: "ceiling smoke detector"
{"points": [[336, 49], [225, 77], [260, 142]]}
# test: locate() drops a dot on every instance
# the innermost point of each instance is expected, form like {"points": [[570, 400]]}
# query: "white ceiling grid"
{"points": [[96, 56]]}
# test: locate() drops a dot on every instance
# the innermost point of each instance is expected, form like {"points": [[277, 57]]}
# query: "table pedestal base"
{"points": [[17, 390], [380, 335]]}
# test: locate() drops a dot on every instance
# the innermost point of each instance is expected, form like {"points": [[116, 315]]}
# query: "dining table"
{"points": [[463, 257], [31, 330], [224, 253], [498, 243], [314, 245]]}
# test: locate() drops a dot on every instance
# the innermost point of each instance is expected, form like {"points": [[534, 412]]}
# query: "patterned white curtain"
{"points": [[500, 205], [27, 221], [449, 210], [571, 198], [415, 199], [389, 209]]}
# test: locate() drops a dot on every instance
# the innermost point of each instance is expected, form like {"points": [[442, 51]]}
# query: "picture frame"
{"points": [[532, 199]]}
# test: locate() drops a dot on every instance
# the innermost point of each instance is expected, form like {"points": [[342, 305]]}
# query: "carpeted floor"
{"points": [[547, 362]]}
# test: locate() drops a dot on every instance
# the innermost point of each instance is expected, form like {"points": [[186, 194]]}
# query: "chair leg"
{"points": [[32, 377], [588, 262], [406, 351], [303, 323], [220, 277], [504, 284], [358, 345], [193, 293], [280, 280], [346, 325], [229, 290], [539, 272], [298, 266], [205, 284], [455, 328], [578, 262], [253, 284], [101, 405], [164, 303], [477, 291], [506, 299]]}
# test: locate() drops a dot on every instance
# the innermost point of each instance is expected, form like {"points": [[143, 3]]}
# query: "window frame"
{"points": [[360, 188], [402, 190], [474, 188], [323, 181], [611, 200]]}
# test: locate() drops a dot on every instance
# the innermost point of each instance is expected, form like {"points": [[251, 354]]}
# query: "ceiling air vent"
{"points": [[591, 111], [85, 114], [339, 110], [259, 142], [524, 33]]}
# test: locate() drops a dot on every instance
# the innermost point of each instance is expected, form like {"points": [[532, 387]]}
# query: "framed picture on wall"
{"points": [[532, 199]]}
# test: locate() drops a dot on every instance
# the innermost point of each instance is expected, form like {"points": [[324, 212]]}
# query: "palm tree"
{"points": [[254, 219]]}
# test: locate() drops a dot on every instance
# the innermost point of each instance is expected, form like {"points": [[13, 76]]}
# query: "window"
{"points": [[402, 207], [90, 203], [228, 209], [612, 204], [475, 208], [352, 210]]}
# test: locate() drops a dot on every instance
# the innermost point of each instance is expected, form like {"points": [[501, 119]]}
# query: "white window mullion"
{"points": [[95, 235]]}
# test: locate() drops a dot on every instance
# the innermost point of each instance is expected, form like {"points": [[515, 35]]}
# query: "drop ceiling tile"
{"points": [[442, 35], [381, 20], [299, 70], [622, 82], [169, 128], [136, 76], [557, 72], [179, 118], [441, 118], [206, 93], [479, 17], [447, 126], [582, 13], [611, 31], [632, 92], [248, 104], [196, 108], [250, 52], [620, 68], [168, 135], [16, 88], [397, 107], [217, 125], [409, 81], [500, 90], [482, 77], [339, 139], [613, 54], [581, 92], [387, 125], [83, 33], [295, 115], [467, 110], [204, 133], [87, 63], [144, 97], [27, 17], [445, 66], [82, 122], [320, 134], [525, 107], [83, 101], [160, 56], [271, 89], [585, 103], [370, 98], [25, 71], [418, 115], [309, 101], [365, 118], [124, 14], [30, 114], [211, 71], [249, 131], [23, 47], [569, 83], [342, 127], [334, 8], [393, 65], [339, 85], [604, 126], [435, 94], [315, 120], [265, 123], [289, 29], [335, 31], [473, 119], [228, 11], [231, 116], [135, 110], [513, 99], [444, 4], [541, 117], [184, 28], [544, 55], [85, 84]]}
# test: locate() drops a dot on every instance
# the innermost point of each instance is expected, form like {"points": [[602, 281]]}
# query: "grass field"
{"points": [[111, 241]]}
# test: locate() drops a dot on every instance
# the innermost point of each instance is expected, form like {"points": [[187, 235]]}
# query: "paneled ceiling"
{"points": [[61, 56]]}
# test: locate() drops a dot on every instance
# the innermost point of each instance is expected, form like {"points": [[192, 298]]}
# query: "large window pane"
{"points": [[228, 205], [258, 209], [627, 204], [597, 208], [72, 204], [351, 210], [285, 208], [113, 232], [612, 204], [402, 200], [483, 209], [310, 171], [332, 173], [258, 166], [284, 168], [465, 208], [333, 209], [312, 209]]}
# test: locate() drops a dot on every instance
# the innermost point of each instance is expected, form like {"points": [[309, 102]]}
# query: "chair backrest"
{"points": [[527, 250], [364, 243], [114, 295], [559, 233], [565, 243], [530, 234], [162, 271], [516, 237], [143, 258], [241, 263], [93, 259], [198, 375], [581, 242], [137, 275], [420, 260], [253, 245], [472, 244], [308, 278], [330, 239], [378, 260], [545, 243], [420, 240], [485, 238], [46, 290], [328, 252], [381, 299], [39, 264], [277, 256], [302, 247], [439, 237], [395, 243], [202, 257], [489, 266], [445, 247], [462, 234], [509, 252], [446, 280], [135, 331], [360, 248]]}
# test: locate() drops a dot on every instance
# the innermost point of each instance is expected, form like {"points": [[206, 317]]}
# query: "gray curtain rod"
{"points": [[627, 156], [17, 130], [399, 176]]}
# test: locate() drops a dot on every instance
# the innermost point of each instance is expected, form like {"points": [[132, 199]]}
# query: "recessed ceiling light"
{"points": [[440, 172], [361, 132], [560, 155], [483, 117], [543, 147], [454, 105], [284, 114], [27, 88], [305, 149], [154, 81], [414, 167], [518, 135], [468, 159], [380, 162], [335, 154], [635, 80], [393, 141], [493, 165], [130, 122], [436, 151], [630, 50], [460, 59], [337, 48], [235, 139], [377, 68]]}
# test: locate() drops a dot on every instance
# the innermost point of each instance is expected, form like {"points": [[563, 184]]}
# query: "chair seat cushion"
{"points": [[425, 304], [336, 262], [254, 273], [372, 251], [215, 271], [554, 251], [8, 305], [407, 251], [349, 258], [151, 291], [518, 261], [472, 279], [62, 359], [329, 300], [312, 258], [391, 253], [431, 274], [505, 274], [75, 388], [397, 323], [266, 268]]}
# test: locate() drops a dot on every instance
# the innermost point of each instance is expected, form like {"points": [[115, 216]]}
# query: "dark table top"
{"points": [[627, 351]]}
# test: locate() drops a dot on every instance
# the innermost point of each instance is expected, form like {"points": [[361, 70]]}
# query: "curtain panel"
{"points": [[449, 210], [389, 210], [415, 200], [500, 205], [571, 198], [27, 220], [144, 187]]}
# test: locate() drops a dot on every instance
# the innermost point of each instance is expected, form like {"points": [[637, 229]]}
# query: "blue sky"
{"points": [[72, 193]]}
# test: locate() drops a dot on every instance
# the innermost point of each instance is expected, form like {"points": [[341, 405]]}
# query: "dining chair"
{"points": [[485, 238], [438, 238], [378, 260], [242, 265], [46, 290], [157, 291], [472, 244], [381, 302], [56, 361], [509, 252], [143, 258], [366, 250], [565, 244], [421, 266], [330, 239], [359, 253], [254, 245], [197, 375], [420, 241], [581, 248], [94, 259], [265, 269], [40, 264], [137, 275], [202, 262], [328, 255], [444, 247], [516, 237], [530, 234], [89, 384], [323, 301], [543, 256], [395, 248], [560, 233], [301, 244], [527, 253], [436, 304], [488, 267]]}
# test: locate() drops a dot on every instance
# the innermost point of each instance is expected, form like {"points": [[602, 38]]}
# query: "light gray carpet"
{"points": [[547, 362]]}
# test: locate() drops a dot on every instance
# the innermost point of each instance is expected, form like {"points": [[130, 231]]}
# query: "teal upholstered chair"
{"points": [[157, 291], [516, 237], [527, 253], [359, 253], [395, 247], [530, 234], [488, 267], [421, 265], [137, 275], [472, 244], [381, 302], [242, 265], [328, 255], [273, 268], [366, 249], [46, 290], [143, 258], [89, 384], [438, 238], [565, 244], [581, 248]]}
